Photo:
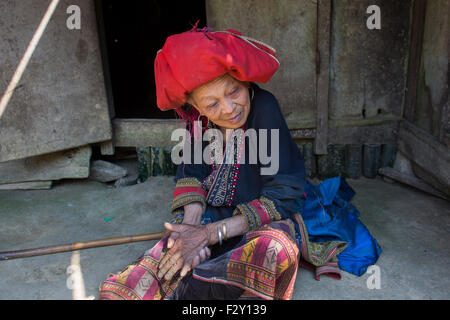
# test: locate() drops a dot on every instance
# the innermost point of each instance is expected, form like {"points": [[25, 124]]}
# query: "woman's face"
{"points": [[224, 100]]}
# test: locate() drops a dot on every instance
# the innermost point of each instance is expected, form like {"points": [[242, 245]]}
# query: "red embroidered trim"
{"points": [[188, 190], [262, 211], [180, 190]]}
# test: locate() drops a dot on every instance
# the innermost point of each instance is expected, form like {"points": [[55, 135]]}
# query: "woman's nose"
{"points": [[228, 107]]}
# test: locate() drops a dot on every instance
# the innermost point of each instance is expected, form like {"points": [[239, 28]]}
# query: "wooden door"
{"points": [[60, 101], [424, 134]]}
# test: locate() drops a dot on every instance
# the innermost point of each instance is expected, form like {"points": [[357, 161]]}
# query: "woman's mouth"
{"points": [[236, 118]]}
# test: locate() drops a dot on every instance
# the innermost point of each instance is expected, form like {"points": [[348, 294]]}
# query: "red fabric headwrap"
{"points": [[192, 58]]}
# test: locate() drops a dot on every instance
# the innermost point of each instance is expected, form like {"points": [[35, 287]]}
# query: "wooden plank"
{"points": [[98, 4], [156, 133], [107, 148], [429, 178], [33, 185], [363, 122], [428, 153], [323, 71], [301, 124], [415, 54], [444, 128], [377, 132], [411, 181], [73, 164], [145, 132], [303, 133]]}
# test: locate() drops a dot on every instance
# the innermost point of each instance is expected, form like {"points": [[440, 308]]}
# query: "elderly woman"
{"points": [[236, 233]]}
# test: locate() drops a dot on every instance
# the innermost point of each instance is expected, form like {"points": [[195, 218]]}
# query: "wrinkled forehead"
{"points": [[216, 83], [213, 87]]}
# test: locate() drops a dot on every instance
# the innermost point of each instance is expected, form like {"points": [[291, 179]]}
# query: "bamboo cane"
{"points": [[8, 255]]}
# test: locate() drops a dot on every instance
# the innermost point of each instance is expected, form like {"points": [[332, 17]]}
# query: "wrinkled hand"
{"points": [[187, 246]]}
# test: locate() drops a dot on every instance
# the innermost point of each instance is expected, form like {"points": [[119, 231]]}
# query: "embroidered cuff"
{"points": [[258, 212], [178, 216], [188, 190]]}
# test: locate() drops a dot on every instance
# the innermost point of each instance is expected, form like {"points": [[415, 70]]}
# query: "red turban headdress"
{"points": [[192, 58]]}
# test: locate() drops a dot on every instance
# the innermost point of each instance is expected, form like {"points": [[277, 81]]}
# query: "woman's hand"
{"points": [[187, 249], [192, 215], [187, 241]]}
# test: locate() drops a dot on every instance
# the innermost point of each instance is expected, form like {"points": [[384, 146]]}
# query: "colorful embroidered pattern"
{"points": [[250, 215], [188, 190], [139, 281], [320, 257], [264, 265], [221, 183], [258, 212], [270, 206]]}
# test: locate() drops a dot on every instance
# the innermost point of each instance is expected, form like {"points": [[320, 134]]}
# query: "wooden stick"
{"points": [[8, 255]]}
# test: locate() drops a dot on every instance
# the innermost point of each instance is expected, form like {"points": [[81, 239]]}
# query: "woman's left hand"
{"points": [[187, 248]]}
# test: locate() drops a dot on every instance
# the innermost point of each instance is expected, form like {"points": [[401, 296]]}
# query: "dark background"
{"points": [[133, 32]]}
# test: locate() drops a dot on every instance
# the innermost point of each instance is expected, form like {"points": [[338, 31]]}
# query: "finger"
{"points": [[208, 252], [168, 264], [169, 254], [171, 241], [202, 255], [165, 259], [173, 227], [196, 261], [173, 269], [186, 268]]}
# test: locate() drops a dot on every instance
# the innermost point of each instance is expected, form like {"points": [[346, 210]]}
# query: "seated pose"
{"points": [[237, 229]]}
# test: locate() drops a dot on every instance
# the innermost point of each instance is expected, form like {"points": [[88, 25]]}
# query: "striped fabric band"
{"points": [[188, 190], [258, 212]]}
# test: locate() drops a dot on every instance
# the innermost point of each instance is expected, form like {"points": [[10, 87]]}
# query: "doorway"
{"points": [[130, 34]]}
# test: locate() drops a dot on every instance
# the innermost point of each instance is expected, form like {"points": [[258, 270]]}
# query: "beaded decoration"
{"points": [[222, 181]]}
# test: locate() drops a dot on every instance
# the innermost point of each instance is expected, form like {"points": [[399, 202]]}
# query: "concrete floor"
{"points": [[411, 227]]}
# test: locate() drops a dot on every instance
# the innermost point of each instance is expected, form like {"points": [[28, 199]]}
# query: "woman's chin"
{"points": [[233, 125]]}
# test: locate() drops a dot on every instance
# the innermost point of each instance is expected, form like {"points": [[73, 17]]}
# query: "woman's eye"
{"points": [[235, 90], [212, 105]]}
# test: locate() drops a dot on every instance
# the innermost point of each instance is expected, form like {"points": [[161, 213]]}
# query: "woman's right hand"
{"points": [[192, 215], [187, 251], [202, 256]]}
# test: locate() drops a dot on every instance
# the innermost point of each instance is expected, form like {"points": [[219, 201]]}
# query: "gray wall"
{"points": [[289, 27], [367, 67], [61, 102]]}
